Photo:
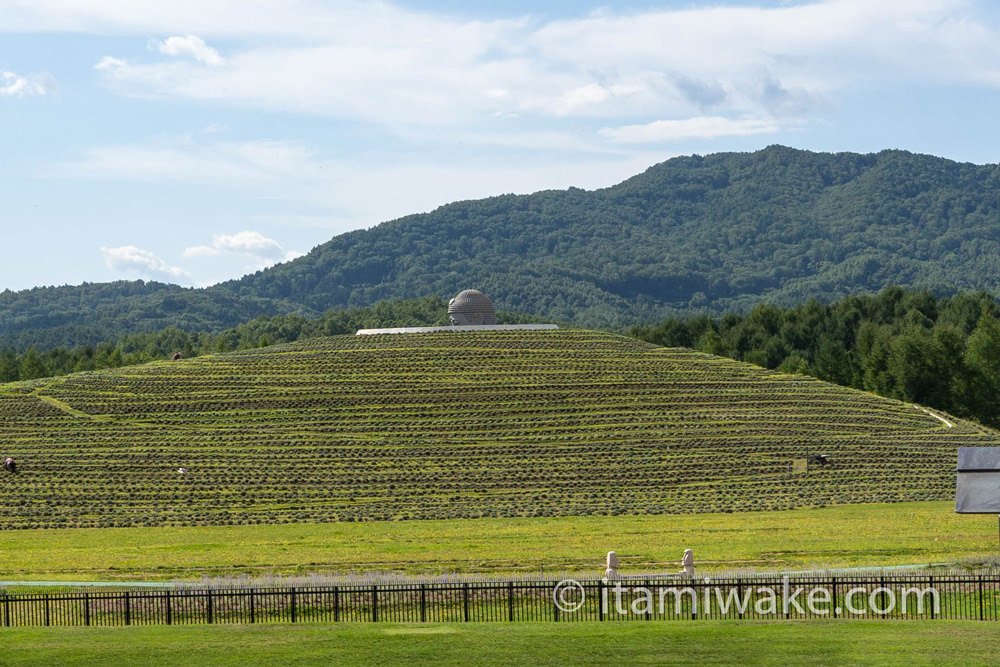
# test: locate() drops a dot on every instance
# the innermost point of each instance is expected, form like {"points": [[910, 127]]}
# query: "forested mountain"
{"points": [[693, 234], [721, 232], [88, 314]]}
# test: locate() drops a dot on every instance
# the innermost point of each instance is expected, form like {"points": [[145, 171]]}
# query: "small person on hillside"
{"points": [[9, 465]]}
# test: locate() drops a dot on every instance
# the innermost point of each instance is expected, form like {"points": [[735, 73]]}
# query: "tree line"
{"points": [[139, 348], [910, 345]]}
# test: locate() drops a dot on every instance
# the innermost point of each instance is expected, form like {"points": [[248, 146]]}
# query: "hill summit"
{"points": [[456, 424]]}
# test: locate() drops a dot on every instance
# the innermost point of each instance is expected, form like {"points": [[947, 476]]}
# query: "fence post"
{"points": [[600, 599], [785, 582], [694, 602], [169, 615], [881, 596], [46, 610], [465, 602], [980, 582], [510, 601], [423, 603], [6, 610], [555, 608], [253, 607], [128, 609], [336, 604], [374, 603], [836, 606], [930, 584], [86, 609], [208, 607], [294, 609]]}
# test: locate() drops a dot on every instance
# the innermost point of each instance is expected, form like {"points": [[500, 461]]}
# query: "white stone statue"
{"points": [[612, 571], [688, 563]]}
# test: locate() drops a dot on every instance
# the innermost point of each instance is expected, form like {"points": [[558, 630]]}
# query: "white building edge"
{"points": [[470, 327]]}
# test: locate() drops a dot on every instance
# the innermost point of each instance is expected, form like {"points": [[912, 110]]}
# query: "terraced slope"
{"points": [[451, 424]]}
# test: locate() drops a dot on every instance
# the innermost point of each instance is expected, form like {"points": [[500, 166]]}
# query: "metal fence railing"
{"points": [[971, 597]]}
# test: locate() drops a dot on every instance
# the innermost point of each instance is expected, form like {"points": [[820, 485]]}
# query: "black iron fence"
{"points": [[497, 601]]}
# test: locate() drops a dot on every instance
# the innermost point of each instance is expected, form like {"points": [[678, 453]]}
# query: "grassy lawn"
{"points": [[667, 643], [857, 535]]}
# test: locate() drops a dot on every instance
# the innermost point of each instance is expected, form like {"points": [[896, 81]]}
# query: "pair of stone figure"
{"points": [[687, 562]]}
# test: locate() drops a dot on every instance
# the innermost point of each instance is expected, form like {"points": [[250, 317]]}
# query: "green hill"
{"points": [[718, 232], [521, 423], [712, 233]]}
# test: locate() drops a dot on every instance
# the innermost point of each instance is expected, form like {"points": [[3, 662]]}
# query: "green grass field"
{"points": [[455, 425], [662, 643], [857, 535]]}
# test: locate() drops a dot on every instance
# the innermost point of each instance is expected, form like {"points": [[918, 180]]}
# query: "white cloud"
{"points": [[706, 127], [250, 164], [201, 251], [262, 250], [136, 261], [345, 194], [382, 63], [108, 63], [293, 221], [13, 85], [253, 243], [586, 95], [245, 251], [190, 47], [360, 21]]}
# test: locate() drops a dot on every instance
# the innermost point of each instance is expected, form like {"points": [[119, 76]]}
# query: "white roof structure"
{"points": [[474, 327]]}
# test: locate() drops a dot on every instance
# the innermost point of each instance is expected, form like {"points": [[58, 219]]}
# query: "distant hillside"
{"points": [[718, 232], [712, 233], [92, 313], [543, 423]]}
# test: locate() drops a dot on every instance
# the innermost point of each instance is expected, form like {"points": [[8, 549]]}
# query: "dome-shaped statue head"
{"points": [[471, 307]]}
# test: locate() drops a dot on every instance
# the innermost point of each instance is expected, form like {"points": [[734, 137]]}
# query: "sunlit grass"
{"points": [[848, 536], [659, 643]]}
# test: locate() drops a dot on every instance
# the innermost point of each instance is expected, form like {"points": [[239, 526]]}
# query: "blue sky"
{"points": [[194, 141]]}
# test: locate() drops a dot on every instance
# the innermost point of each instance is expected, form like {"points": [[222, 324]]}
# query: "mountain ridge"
{"points": [[692, 234]]}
